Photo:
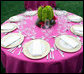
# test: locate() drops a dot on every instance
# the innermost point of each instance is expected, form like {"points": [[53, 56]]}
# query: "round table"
{"points": [[70, 63]]}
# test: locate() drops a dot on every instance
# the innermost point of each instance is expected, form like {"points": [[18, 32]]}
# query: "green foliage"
{"points": [[39, 12], [45, 13], [50, 13]]}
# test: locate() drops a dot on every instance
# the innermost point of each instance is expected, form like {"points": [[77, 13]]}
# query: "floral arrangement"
{"points": [[45, 12]]}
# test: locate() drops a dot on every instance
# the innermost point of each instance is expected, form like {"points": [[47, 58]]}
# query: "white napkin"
{"points": [[69, 41], [7, 27], [30, 13], [75, 18], [78, 29], [10, 40], [63, 44], [16, 18], [36, 48]]}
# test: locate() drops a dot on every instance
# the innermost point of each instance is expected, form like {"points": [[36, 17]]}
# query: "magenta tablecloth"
{"points": [[70, 63], [35, 4]]}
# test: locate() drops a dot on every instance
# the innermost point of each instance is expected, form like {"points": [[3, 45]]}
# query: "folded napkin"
{"points": [[16, 18], [78, 29], [36, 48], [63, 44], [69, 41], [75, 18], [7, 27], [10, 40]]}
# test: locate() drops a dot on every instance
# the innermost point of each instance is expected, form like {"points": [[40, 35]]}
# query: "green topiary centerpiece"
{"points": [[45, 12]]}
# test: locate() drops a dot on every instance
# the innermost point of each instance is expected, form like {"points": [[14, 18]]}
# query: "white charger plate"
{"points": [[74, 32], [27, 53], [17, 18], [15, 26], [30, 13], [61, 12], [18, 42], [66, 48], [74, 18]]}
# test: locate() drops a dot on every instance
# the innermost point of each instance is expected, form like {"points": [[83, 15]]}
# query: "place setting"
{"points": [[30, 13], [68, 43], [77, 30], [8, 27], [59, 12], [36, 49], [12, 41], [74, 18], [16, 18]]}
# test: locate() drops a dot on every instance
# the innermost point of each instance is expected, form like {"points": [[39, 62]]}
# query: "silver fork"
{"points": [[62, 54], [20, 51], [10, 50], [15, 49]]}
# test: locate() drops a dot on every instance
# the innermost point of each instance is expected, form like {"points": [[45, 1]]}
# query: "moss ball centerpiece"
{"points": [[45, 16]]}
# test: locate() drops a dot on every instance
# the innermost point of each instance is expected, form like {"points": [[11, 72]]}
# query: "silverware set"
{"points": [[53, 49], [62, 54], [51, 54], [12, 50]]}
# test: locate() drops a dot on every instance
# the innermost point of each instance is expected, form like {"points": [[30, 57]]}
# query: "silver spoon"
{"points": [[20, 51], [52, 50]]}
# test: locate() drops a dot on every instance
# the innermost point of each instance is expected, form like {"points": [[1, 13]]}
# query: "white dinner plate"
{"points": [[16, 18], [76, 32], [74, 18], [27, 45], [8, 27], [60, 44], [30, 13], [14, 44], [61, 12]]}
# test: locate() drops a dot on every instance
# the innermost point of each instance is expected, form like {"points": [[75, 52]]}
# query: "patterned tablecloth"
{"points": [[70, 63]]}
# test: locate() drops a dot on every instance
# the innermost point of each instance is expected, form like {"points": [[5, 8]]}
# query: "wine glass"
{"points": [[47, 23]]}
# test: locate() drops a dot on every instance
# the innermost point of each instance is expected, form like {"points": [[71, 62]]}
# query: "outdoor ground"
{"points": [[10, 8]]}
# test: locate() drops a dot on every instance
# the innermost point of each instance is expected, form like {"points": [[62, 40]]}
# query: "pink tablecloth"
{"points": [[70, 63], [35, 4]]}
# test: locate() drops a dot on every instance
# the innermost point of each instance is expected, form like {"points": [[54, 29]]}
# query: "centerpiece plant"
{"points": [[45, 13]]}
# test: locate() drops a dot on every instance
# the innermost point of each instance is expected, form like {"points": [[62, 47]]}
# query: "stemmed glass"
{"points": [[47, 23]]}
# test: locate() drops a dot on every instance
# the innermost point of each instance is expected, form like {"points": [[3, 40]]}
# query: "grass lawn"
{"points": [[10, 8]]}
